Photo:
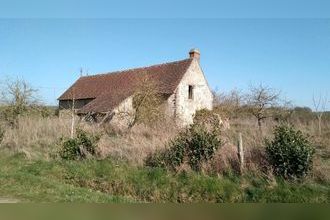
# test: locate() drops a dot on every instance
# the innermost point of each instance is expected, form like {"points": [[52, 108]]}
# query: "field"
{"points": [[31, 172], [105, 181]]}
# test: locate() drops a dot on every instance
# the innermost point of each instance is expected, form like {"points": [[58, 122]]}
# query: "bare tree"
{"points": [[320, 104], [228, 103], [260, 99], [18, 97]]}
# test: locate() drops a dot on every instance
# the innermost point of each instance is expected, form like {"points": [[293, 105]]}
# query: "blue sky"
{"points": [[287, 51], [165, 8]]}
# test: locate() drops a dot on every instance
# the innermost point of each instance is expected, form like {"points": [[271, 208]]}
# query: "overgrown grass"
{"points": [[107, 181], [38, 177], [41, 181]]}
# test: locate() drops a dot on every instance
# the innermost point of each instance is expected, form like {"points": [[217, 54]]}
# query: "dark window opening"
{"points": [[190, 92]]}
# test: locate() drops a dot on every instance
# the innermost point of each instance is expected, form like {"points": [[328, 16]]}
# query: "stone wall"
{"points": [[124, 113], [185, 108]]}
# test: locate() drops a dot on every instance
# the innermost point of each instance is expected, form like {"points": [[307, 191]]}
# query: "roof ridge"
{"points": [[136, 68]]}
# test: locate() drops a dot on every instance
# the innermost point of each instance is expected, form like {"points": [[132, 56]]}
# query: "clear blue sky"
{"points": [[165, 8], [289, 51]]}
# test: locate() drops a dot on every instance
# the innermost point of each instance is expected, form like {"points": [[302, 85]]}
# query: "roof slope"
{"points": [[109, 90]]}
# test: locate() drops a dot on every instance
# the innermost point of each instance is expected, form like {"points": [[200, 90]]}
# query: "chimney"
{"points": [[195, 54]]}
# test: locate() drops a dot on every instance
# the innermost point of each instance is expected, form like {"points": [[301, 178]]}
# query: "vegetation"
{"points": [[262, 100], [111, 181], [199, 164], [196, 145], [229, 104], [147, 104], [2, 134], [290, 152], [43, 181], [19, 99], [320, 105], [80, 147]]}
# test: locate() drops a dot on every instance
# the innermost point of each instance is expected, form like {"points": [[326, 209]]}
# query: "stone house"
{"points": [[183, 83]]}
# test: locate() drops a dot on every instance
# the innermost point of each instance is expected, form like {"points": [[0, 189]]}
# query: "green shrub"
{"points": [[290, 153], [202, 144], [171, 157], [79, 147], [194, 146]]}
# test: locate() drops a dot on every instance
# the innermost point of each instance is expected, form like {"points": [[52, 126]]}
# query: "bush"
{"points": [[208, 119], [80, 147], [194, 146], [171, 157], [290, 153]]}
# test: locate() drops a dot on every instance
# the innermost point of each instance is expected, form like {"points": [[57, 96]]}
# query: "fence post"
{"points": [[240, 151]]}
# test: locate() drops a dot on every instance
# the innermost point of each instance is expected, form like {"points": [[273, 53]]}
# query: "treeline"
{"points": [[265, 103]]}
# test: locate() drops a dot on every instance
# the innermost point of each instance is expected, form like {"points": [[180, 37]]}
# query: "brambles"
{"points": [[80, 147], [290, 153], [194, 146]]}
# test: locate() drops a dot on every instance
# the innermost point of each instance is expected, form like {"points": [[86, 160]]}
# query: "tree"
{"points": [[18, 98], [260, 99], [320, 105], [147, 105], [147, 101], [228, 103]]}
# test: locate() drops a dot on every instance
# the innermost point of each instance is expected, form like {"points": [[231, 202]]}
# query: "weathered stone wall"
{"points": [[184, 108], [170, 106], [124, 113]]}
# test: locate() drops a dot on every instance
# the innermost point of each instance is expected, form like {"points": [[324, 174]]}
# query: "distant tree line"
{"points": [[263, 102]]}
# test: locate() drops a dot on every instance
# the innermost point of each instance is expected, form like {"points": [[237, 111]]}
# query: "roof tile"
{"points": [[110, 89]]}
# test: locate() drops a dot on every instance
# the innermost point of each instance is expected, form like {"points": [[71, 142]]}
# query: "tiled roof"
{"points": [[109, 90]]}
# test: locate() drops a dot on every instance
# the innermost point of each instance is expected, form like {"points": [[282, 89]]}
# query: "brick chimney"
{"points": [[194, 54]]}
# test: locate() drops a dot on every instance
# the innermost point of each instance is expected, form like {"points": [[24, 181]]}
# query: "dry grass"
{"points": [[135, 145], [226, 158], [37, 137]]}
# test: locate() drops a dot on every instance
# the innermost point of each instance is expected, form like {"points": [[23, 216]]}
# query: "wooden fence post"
{"points": [[240, 151]]}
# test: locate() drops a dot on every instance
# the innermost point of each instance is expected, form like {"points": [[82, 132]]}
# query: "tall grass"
{"points": [[135, 145], [37, 137], [119, 170]]}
